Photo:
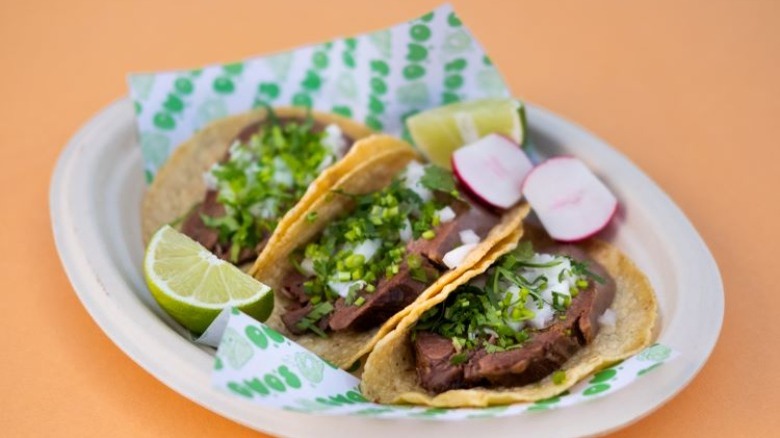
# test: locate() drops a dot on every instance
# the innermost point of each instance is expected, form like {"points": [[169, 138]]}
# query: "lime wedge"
{"points": [[193, 285], [439, 131]]}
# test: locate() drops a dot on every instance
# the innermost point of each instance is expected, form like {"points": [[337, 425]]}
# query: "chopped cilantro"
{"points": [[311, 217], [376, 222], [317, 312], [264, 177], [459, 358], [439, 179]]}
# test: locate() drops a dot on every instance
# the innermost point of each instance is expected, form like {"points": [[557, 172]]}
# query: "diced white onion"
{"points": [[209, 179], [282, 173], [343, 287], [368, 248], [455, 257], [469, 236], [406, 232], [413, 173], [334, 140], [307, 265], [446, 214]]}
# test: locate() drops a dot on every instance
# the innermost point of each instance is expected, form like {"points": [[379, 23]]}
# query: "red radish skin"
{"points": [[570, 201], [493, 170]]}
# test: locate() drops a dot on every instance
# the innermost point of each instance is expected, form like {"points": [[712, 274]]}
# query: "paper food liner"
{"points": [[379, 78], [262, 366]]}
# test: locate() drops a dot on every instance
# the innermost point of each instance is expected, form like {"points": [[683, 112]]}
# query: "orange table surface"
{"points": [[687, 90]]}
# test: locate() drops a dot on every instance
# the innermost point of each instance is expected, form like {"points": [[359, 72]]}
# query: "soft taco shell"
{"points": [[179, 184], [390, 375], [271, 267]]}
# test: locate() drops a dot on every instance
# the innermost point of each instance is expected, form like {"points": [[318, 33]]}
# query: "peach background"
{"points": [[688, 90]]}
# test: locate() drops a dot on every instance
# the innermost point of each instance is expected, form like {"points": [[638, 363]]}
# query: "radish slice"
{"points": [[572, 203], [493, 168]]}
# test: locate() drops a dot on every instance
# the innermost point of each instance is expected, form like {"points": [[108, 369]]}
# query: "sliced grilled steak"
{"points": [[391, 296], [470, 216]]}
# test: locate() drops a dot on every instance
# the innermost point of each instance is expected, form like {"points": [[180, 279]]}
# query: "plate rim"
{"points": [[85, 282]]}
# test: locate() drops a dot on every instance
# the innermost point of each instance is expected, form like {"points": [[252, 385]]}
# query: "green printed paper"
{"points": [[378, 79], [258, 364]]}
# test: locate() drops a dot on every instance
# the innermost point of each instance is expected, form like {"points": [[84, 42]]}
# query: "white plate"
{"points": [[95, 197]]}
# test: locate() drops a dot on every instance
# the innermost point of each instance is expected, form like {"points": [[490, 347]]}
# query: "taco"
{"points": [[385, 238], [525, 323], [229, 185]]}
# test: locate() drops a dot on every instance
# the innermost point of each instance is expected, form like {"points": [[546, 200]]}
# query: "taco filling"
{"points": [[266, 170], [373, 262], [516, 324]]}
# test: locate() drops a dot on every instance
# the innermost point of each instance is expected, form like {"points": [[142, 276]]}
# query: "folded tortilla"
{"points": [[345, 348], [179, 184], [390, 374]]}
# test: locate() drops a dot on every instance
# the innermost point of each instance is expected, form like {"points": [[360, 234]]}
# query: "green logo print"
{"points": [[430, 412], [596, 389], [348, 398], [260, 336], [233, 69], [138, 107], [310, 366], [453, 20], [416, 53], [420, 32], [223, 85], [375, 105], [347, 56], [414, 71], [380, 67], [342, 110], [236, 350], [456, 65], [604, 375], [319, 60], [427, 17], [644, 371], [173, 103], [489, 412], [312, 81], [279, 380], [373, 122], [378, 86], [657, 353], [599, 382], [164, 121], [183, 85]]}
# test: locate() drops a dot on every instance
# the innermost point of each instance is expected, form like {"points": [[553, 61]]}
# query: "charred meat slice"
{"points": [[470, 216], [391, 296], [434, 362]]}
